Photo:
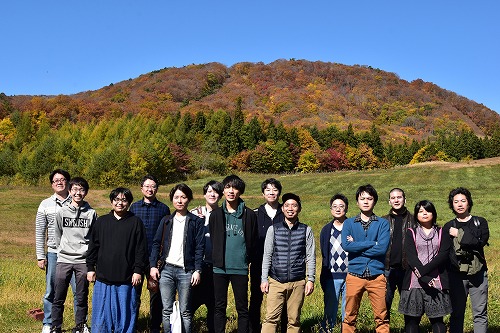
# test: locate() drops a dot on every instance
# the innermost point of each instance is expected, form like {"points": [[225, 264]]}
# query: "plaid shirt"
{"points": [[151, 215]]}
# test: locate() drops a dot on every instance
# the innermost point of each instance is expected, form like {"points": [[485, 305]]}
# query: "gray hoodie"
{"points": [[71, 229]]}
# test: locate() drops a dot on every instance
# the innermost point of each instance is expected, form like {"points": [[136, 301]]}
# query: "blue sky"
{"points": [[65, 47]]}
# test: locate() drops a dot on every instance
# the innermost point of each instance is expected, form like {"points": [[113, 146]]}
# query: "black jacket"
{"points": [[217, 225], [408, 222]]}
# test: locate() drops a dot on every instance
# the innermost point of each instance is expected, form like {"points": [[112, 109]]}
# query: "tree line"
{"points": [[121, 150]]}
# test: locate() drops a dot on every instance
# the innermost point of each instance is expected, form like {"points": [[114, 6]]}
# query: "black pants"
{"points": [[240, 291], [204, 294]]}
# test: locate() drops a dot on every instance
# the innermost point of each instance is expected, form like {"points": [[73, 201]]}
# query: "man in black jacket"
{"points": [[233, 230], [400, 219]]}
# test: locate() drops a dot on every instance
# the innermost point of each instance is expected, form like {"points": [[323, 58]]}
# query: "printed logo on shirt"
{"points": [[234, 230], [69, 222]]}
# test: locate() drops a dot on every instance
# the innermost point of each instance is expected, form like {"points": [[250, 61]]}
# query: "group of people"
{"points": [[194, 254], [434, 268]]}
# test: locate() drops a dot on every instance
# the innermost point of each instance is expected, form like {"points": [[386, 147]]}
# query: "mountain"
{"points": [[295, 92]]}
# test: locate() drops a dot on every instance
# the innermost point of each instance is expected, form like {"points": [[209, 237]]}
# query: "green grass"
{"points": [[22, 282]]}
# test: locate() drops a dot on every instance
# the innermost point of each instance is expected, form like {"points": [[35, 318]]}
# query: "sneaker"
{"points": [[81, 328], [55, 330], [46, 329]]}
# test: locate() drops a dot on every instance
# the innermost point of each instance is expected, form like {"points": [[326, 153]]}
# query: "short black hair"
{"points": [[291, 196], [184, 189], [429, 207], [80, 182], [149, 177], [234, 181], [460, 190], [216, 186], [271, 181], [61, 172], [368, 188], [342, 197], [397, 189], [121, 190]]}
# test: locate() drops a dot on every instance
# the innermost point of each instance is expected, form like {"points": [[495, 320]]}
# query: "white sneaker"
{"points": [[85, 328], [46, 329]]}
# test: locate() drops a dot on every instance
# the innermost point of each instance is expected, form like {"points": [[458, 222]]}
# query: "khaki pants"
{"points": [[292, 294], [375, 287]]}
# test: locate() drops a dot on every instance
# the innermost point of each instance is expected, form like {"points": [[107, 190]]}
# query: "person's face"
{"points": [[78, 193], [337, 208], [149, 189], [397, 200], [290, 209], [120, 204], [231, 194], [180, 201], [211, 197], [271, 194], [460, 204], [366, 202], [424, 217], [59, 184]]}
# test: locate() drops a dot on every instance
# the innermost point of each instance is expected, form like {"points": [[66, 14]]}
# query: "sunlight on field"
{"points": [[22, 282]]}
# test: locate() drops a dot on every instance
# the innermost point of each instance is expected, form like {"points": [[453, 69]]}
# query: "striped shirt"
{"points": [[45, 224]]}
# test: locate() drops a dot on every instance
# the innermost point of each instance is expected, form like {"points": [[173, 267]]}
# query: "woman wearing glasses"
{"points": [[116, 261]]}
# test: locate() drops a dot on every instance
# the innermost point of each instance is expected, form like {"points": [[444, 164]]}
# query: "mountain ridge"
{"points": [[294, 92]]}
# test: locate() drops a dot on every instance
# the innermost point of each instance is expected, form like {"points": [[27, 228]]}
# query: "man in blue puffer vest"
{"points": [[288, 266], [366, 238]]}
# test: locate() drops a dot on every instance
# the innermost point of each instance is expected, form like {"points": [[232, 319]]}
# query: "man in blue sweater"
{"points": [[366, 238]]}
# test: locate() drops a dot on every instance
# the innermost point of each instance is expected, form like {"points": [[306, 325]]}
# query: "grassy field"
{"points": [[22, 282]]}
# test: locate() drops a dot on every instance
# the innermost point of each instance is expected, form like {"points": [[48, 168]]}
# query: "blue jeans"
{"points": [[332, 289], [50, 290], [175, 279], [114, 308]]}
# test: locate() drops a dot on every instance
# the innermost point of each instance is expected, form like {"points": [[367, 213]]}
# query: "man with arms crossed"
{"points": [[366, 238]]}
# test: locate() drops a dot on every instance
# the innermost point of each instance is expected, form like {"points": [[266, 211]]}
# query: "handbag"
{"points": [[175, 319], [153, 285]]}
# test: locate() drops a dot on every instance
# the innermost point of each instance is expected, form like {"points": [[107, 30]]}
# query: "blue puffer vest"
{"points": [[288, 263]]}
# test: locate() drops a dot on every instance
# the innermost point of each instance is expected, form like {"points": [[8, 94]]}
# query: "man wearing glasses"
{"points": [[150, 210], [116, 262], [334, 262], [46, 249]]}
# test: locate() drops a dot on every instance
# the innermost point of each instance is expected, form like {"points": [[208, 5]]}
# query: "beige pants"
{"points": [[290, 293]]}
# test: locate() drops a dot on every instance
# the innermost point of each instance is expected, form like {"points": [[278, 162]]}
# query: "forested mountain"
{"points": [[294, 92], [199, 120]]}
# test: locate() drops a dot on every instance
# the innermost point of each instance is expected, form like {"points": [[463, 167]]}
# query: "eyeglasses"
{"points": [[77, 190], [59, 181], [335, 207], [150, 187], [123, 200]]}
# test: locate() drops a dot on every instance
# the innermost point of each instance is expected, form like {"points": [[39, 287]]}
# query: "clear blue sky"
{"points": [[65, 47]]}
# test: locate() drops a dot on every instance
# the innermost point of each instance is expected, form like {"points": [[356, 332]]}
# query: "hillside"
{"points": [[295, 92]]}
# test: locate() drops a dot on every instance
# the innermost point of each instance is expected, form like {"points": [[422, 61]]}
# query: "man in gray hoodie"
{"points": [[71, 229]]}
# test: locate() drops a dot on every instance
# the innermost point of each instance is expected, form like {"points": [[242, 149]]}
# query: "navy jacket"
{"points": [[194, 243]]}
